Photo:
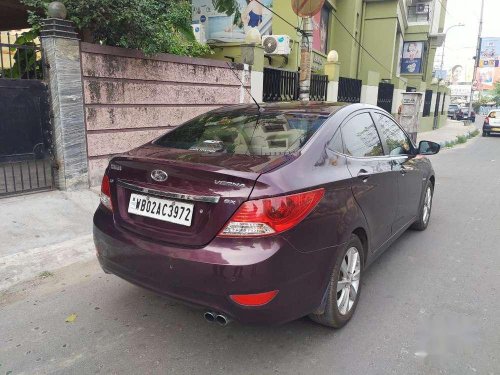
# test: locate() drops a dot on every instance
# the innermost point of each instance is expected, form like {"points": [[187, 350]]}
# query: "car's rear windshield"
{"points": [[250, 134]]}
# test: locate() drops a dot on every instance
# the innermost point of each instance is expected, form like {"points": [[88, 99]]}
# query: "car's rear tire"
{"points": [[345, 282], [424, 213]]}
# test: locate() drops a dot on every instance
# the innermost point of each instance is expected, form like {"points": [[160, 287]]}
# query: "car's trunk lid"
{"points": [[215, 184]]}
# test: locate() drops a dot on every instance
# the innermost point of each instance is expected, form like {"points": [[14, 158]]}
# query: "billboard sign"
{"points": [[320, 30], [487, 77], [412, 58], [490, 50], [460, 90], [223, 23]]}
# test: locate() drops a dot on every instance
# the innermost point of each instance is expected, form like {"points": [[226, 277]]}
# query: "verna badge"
{"points": [[159, 175]]}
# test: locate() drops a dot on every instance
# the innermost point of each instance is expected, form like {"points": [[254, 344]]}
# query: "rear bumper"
{"points": [[206, 276], [491, 129]]}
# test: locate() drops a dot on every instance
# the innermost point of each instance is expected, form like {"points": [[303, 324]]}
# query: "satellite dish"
{"points": [[307, 8]]}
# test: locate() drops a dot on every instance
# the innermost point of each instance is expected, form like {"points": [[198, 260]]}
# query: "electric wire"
{"points": [[299, 30]]}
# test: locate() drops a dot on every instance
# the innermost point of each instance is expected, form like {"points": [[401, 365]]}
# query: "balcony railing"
{"points": [[419, 13]]}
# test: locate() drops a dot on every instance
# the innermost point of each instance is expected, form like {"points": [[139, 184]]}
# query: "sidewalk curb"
{"points": [[454, 142], [26, 265]]}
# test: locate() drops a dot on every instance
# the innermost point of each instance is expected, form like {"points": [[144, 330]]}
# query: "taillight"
{"points": [[258, 299], [269, 216], [106, 193]]}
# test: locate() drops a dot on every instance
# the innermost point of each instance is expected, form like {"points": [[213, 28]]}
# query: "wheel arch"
{"points": [[363, 237], [432, 179]]}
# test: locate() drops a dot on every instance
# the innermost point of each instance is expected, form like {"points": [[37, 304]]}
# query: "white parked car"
{"points": [[492, 123]]}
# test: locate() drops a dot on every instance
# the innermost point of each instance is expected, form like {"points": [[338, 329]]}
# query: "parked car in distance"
{"points": [[492, 123], [453, 111], [264, 215], [463, 114]]}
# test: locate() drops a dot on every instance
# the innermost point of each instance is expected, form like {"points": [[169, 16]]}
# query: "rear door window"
{"points": [[361, 138], [335, 143], [396, 141], [239, 133]]}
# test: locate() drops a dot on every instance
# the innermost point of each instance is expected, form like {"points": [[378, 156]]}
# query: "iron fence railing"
{"points": [[319, 87], [349, 90], [20, 58], [427, 103], [25, 176], [385, 95], [280, 85]]}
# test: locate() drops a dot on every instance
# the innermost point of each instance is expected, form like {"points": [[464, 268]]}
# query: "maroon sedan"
{"points": [[264, 216]]}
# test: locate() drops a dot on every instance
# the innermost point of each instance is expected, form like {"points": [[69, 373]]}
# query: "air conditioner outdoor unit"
{"points": [[422, 8], [276, 44]]}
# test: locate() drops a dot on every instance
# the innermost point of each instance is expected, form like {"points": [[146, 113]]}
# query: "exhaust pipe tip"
{"points": [[209, 316], [222, 320]]}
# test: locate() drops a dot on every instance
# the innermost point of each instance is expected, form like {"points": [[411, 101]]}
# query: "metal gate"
{"points": [[319, 87], [25, 157], [349, 90], [385, 95], [427, 103], [280, 85]]}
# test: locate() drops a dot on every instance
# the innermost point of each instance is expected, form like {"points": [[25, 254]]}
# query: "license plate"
{"points": [[161, 209], [495, 129]]}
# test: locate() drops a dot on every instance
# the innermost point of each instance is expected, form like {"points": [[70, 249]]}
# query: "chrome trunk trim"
{"points": [[168, 194]]}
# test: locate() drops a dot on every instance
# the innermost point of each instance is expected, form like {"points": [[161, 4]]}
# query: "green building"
{"points": [[383, 48]]}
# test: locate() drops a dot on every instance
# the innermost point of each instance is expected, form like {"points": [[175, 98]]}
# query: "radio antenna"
{"points": [[238, 78]]}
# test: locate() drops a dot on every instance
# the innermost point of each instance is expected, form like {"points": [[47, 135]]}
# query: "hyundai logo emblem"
{"points": [[159, 175]]}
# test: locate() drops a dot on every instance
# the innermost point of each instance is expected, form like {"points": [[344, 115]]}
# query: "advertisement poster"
{"points": [[230, 21], [320, 30], [490, 49], [457, 74], [486, 78], [412, 58]]}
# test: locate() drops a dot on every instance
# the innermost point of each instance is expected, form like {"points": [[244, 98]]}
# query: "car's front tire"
{"points": [[424, 213], [344, 286]]}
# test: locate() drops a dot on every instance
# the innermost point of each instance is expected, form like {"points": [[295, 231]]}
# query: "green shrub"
{"points": [[473, 133], [152, 26]]}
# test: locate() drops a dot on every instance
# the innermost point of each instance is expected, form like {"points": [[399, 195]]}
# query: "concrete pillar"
{"points": [[369, 90], [397, 97], [253, 55], [332, 70], [61, 52]]}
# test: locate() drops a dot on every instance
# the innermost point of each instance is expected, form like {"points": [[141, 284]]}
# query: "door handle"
{"points": [[363, 175]]}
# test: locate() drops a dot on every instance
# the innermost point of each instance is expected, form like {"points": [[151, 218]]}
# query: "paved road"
{"points": [[429, 306]]}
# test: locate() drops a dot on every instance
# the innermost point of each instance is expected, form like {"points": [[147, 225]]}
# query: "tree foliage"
{"points": [[496, 93], [152, 26], [229, 7]]}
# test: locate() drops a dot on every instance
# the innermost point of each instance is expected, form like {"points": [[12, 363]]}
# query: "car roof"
{"points": [[320, 108]]}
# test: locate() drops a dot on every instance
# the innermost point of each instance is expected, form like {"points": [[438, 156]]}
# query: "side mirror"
{"points": [[428, 148]]}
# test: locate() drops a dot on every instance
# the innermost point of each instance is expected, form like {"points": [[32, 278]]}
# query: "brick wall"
{"points": [[130, 99]]}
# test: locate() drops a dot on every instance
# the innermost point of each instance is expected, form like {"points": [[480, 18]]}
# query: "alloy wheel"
{"points": [[348, 282]]}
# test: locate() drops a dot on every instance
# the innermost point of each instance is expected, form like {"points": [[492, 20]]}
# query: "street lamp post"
{"points": [[435, 125], [444, 42]]}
